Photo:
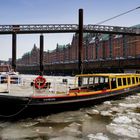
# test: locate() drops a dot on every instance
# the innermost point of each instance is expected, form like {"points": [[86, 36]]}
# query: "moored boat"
{"points": [[7, 77], [42, 97]]}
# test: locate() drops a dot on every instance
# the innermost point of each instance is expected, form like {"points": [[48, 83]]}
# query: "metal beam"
{"points": [[66, 28]]}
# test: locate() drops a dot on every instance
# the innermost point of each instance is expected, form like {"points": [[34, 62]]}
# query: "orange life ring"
{"points": [[40, 82]]}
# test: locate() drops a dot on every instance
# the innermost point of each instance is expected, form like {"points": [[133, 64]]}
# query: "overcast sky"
{"points": [[59, 11]]}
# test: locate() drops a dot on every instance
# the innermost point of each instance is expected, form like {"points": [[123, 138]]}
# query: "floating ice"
{"points": [[75, 125], [98, 136], [106, 113], [29, 124], [124, 130], [131, 106], [72, 130], [107, 102], [134, 115], [17, 133], [122, 120], [117, 110], [94, 111], [65, 138]]}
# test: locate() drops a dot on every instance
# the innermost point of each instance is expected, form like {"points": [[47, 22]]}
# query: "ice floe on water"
{"points": [[17, 133], [66, 138], [124, 126], [124, 130], [72, 130], [106, 113], [126, 123], [122, 120], [130, 106], [124, 117], [98, 136]]}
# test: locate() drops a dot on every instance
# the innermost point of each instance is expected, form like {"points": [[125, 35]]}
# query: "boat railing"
{"points": [[54, 87], [13, 83]]}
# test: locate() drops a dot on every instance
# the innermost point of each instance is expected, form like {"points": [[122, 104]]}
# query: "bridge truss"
{"points": [[67, 28]]}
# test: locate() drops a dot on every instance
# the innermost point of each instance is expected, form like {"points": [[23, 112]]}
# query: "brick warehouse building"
{"points": [[95, 47]]}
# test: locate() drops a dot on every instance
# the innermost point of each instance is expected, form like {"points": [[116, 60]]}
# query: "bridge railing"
{"points": [[115, 29], [58, 28]]}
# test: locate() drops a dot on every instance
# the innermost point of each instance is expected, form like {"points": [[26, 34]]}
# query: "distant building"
{"points": [[2, 62], [95, 47], [30, 58]]}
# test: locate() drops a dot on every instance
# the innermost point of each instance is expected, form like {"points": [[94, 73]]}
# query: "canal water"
{"points": [[111, 120]]}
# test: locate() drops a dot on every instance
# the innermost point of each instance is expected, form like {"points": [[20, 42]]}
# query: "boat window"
{"points": [[106, 79], [113, 83], [137, 79], [129, 80], [84, 80], [119, 82], [124, 81], [102, 79], [96, 80], [133, 80], [91, 80]]}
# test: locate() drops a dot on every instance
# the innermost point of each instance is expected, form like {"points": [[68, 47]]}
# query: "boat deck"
{"points": [[28, 91]]}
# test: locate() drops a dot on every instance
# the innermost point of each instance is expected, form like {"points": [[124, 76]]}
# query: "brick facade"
{"points": [[107, 47]]}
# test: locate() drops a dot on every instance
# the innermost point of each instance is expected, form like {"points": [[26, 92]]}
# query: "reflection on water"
{"points": [[111, 120]]}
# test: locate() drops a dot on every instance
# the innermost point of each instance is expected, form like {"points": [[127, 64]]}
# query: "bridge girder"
{"points": [[67, 28]]}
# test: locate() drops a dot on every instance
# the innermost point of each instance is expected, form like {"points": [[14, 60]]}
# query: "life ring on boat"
{"points": [[40, 82]]}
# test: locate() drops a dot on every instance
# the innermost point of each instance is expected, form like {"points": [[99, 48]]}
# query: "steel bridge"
{"points": [[67, 28]]}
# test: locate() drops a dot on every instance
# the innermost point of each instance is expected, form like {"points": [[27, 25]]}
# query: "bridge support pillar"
{"points": [[41, 54], [80, 45], [14, 51]]}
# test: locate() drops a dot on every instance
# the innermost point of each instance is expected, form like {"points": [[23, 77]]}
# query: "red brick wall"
{"points": [[70, 53]]}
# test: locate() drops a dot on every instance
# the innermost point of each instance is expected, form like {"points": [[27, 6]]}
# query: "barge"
{"points": [[40, 97]]}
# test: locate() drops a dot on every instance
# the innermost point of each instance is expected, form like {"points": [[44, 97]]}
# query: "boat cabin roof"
{"points": [[108, 75]]}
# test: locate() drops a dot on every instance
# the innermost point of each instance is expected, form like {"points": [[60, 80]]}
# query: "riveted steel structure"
{"points": [[67, 28]]}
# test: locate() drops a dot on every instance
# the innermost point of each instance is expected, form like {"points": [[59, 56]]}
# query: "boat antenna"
{"points": [[118, 15]]}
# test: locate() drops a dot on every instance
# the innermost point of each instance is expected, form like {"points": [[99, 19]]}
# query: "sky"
{"points": [[59, 12]]}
